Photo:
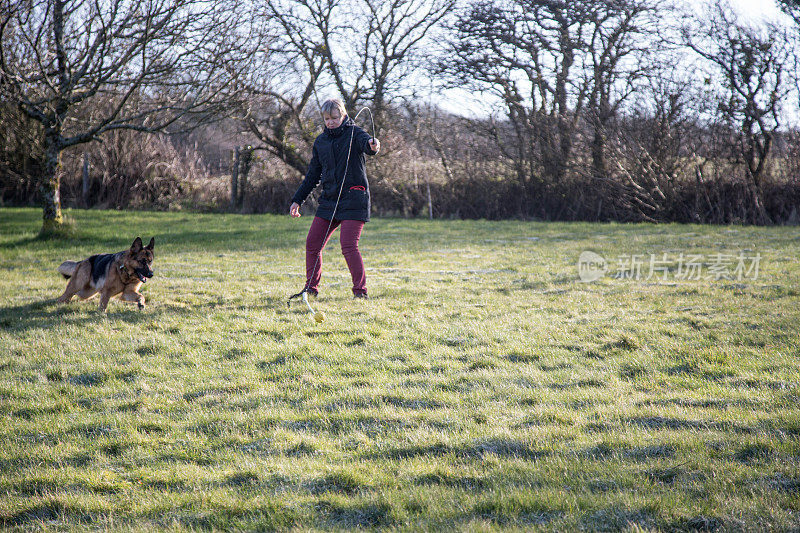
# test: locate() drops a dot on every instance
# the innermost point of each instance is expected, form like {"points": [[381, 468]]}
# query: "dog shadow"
{"points": [[42, 314], [49, 313]]}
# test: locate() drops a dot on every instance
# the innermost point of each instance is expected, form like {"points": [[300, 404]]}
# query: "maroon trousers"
{"points": [[316, 241]]}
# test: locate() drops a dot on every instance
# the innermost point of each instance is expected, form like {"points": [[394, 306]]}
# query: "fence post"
{"points": [[85, 184], [234, 177], [430, 203]]}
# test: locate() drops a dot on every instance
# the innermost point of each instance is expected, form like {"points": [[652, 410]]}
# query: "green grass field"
{"points": [[482, 387]]}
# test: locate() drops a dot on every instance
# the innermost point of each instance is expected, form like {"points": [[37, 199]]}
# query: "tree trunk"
{"points": [[245, 163], [761, 217], [598, 155], [756, 156], [49, 186]]}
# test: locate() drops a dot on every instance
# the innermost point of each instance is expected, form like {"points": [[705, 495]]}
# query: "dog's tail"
{"points": [[67, 269]]}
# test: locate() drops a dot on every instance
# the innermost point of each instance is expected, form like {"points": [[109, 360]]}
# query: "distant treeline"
{"points": [[590, 110]]}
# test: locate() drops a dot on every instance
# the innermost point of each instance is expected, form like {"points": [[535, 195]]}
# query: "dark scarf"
{"points": [[346, 123]]}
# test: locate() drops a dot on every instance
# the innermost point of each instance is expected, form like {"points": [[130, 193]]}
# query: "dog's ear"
{"points": [[152, 243], [136, 247]]}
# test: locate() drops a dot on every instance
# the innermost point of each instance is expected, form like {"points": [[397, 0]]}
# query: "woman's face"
{"points": [[333, 119]]}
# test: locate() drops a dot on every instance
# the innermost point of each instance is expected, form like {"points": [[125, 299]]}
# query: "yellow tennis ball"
{"points": [[319, 317]]}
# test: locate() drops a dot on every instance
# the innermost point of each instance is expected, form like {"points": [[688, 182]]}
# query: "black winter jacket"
{"points": [[328, 160]]}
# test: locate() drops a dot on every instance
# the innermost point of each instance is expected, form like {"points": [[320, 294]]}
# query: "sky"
{"points": [[757, 8]]}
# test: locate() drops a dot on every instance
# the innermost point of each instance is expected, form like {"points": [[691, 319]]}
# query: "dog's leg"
{"points": [[133, 296], [66, 297], [104, 297], [69, 292]]}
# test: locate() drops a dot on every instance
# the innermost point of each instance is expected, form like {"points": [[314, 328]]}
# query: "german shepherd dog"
{"points": [[110, 274]]}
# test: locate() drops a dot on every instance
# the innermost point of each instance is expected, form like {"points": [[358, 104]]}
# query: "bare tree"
{"points": [[750, 65], [651, 151], [283, 80], [382, 47], [550, 63], [367, 50], [81, 68], [624, 34], [523, 53]]}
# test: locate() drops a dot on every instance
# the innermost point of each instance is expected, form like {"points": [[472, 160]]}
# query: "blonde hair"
{"points": [[331, 104]]}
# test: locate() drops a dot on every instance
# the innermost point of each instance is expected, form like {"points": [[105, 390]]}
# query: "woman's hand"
{"points": [[294, 210], [375, 144]]}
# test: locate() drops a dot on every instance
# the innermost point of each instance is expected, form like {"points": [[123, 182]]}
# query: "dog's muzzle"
{"points": [[143, 274]]}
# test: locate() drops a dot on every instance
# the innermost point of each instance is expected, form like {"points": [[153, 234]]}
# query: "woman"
{"points": [[332, 153]]}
